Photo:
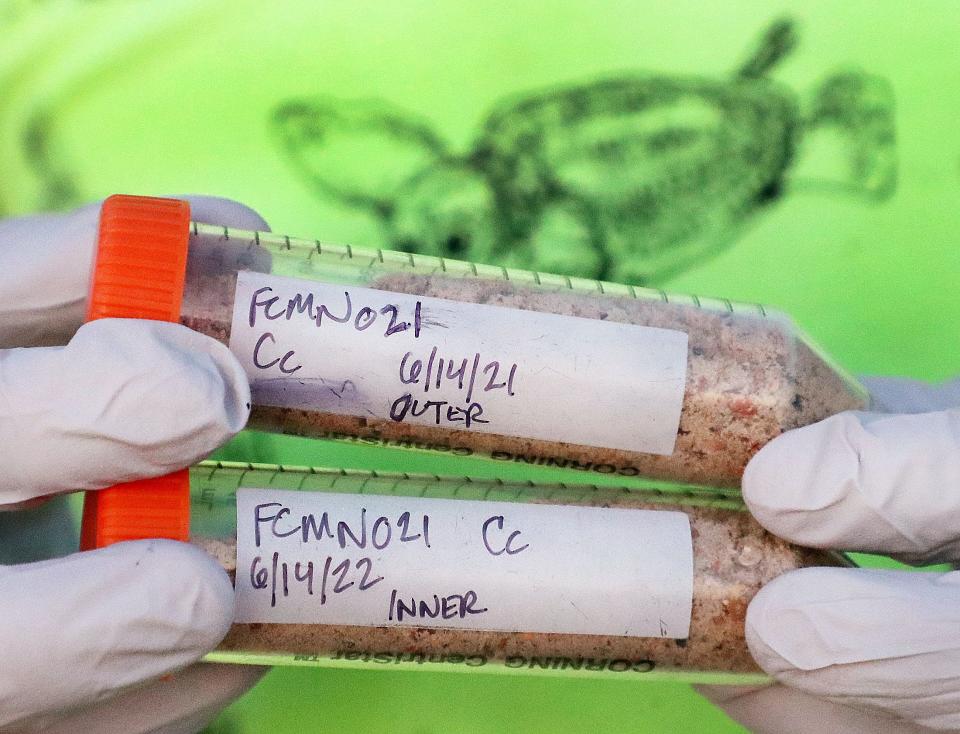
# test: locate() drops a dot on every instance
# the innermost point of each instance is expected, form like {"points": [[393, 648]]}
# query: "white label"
{"points": [[317, 558], [365, 352]]}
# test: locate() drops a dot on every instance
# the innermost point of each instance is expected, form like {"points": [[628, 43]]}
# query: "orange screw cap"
{"points": [[139, 273]]}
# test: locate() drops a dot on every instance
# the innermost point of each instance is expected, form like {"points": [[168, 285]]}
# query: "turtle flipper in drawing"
{"points": [[372, 156], [357, 153], [634, 178], [858, 109]]}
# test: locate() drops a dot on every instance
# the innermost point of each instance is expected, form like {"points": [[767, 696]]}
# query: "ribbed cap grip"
{"points": [[146, 508], [139, 273], [141, 259]]}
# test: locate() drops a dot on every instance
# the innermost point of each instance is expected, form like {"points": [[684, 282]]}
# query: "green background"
{"points": [[176, 97]]}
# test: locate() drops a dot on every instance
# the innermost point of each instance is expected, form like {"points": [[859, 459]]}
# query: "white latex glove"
{"points": [[85, 636], [858, 650]]}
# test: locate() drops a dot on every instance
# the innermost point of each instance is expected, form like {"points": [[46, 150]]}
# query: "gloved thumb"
{"points": [[872, 482], [876, 640], [78, 629]]}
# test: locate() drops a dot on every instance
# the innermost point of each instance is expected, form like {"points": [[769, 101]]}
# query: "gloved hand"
{"points": [[858, 650], [85, 636]]}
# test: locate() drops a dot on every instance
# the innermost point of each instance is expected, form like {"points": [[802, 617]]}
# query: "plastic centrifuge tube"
{"points": [[413, 351], [339, 568]]}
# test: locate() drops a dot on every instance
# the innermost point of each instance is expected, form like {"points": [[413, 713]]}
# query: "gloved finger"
{"points": [[864, 481], [125, 399], [776, 709], [899, 395], [183, 703], [45, 265], [881, 641], [77, 629], [46, 261]]}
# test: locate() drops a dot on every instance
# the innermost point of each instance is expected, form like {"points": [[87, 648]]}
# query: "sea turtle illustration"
{"points": [[632, 178]]}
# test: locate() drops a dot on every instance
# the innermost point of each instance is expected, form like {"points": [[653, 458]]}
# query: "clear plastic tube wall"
{"points": [[732, 559], [750, 374]]}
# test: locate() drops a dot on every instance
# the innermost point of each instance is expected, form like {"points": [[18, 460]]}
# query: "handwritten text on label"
{"points": [[383, 560]]}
